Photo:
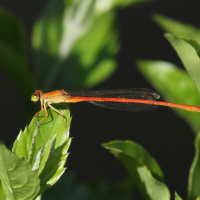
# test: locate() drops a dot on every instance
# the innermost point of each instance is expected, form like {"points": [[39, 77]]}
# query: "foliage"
{"points": [[65, 60], [143, 169], [40, 153], [164, 76]]}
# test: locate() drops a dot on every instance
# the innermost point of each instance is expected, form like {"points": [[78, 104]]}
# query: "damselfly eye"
{"points": [[35, 97]]}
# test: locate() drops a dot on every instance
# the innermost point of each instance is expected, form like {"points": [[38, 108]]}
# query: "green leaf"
{"points": [[177, 197], [45, 147], [144, 170], [18, 179], [94, 63], [13, 53], [188, 56], [175, 86], [61, 47], [51, 172], [104, 5], [177, 28], [198, 198], [23, 146], [2, 193], [193, 43], [194, 176]]}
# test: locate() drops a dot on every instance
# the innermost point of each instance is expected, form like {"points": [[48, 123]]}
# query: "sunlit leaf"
{"points": [[193, 43], [88, 65], [188, 56], [177, 28], [2, 193], [144, 170], [175, 86], [194, 176], [18, 180], [45, 147], [105, 5], [177, 197], [73, 62]]}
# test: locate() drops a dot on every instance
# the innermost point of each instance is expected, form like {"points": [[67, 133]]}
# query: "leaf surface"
{"points": [[194, 176], [177, 197], [2, 193], [62, 49], [174, 85], [143, 169], [188, 56], [18, 180], [45, 145], [177, 28]]}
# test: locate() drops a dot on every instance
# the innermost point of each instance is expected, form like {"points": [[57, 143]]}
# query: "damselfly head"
{"points": [[36, 95], [35, 98]]}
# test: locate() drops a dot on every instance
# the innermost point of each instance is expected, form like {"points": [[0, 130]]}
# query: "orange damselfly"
{"points": [[125, 99]]}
